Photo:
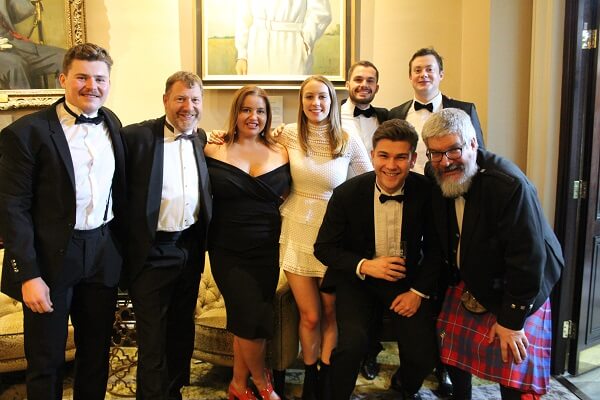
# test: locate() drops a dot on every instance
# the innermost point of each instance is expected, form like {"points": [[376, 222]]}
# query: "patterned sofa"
{"points": [[214, 343], [12, 355]]}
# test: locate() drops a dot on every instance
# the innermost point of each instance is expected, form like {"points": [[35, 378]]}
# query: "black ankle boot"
{"points": [[324, 382], [311, 384]]}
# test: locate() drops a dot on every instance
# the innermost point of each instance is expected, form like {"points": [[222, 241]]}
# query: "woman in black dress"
{"points": [[250, 177]]}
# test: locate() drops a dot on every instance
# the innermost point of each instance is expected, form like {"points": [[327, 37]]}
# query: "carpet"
{"points": [[209, 382]]}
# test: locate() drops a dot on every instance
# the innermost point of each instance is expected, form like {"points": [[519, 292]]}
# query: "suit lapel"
{"points": [[60, 141], [440, 218], [203, 179], [365, 203], [156, 175]]}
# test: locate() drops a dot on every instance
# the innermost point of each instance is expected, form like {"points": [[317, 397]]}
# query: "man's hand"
{"points": [[406, 304], [514, 341], [36, 295], [4, 45], [241, 67], [389, 268]]}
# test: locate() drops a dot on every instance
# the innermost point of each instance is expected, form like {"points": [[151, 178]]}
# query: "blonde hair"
{"points": [[338, 139]]}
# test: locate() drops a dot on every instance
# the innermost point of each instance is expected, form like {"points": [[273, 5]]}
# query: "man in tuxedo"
{"points": [[61, 200], [368, 218], [502, 260], [426, 72], [359, 117], [170, 206]]}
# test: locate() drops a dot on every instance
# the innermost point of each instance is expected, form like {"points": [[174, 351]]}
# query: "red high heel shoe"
{"points": [[265, 394], [246, 395]]}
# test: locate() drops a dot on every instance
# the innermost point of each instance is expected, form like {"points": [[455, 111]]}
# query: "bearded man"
{"points": [[502, 261]]}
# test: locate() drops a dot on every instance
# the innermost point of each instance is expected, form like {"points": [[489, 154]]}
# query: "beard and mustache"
{"points": [[455, 188]]}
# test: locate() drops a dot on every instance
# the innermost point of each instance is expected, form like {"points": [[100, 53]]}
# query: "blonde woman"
{"points": [[320, 154]]}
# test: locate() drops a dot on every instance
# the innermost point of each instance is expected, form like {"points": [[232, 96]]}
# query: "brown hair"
{"points": [[236, 105], [337, 138], [363, 63], [396, 130], [86, 52], [426, 51], [188, 78]]}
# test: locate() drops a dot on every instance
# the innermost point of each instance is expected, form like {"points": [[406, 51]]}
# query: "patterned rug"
{"points": [[210, 382]]}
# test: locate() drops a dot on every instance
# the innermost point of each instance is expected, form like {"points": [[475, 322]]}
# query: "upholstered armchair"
{"points": [[214, 343], [12, 354]]}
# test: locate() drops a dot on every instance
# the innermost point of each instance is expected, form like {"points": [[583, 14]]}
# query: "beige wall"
{"points": [[487, 45]]}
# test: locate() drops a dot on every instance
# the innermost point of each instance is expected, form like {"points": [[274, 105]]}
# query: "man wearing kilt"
{"points": [[502, 261]]}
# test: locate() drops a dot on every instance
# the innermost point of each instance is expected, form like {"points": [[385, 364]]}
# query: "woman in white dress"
{"points": [[320, 155]]}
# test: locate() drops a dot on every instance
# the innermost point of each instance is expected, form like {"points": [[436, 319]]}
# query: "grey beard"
{"points": [[452, 189]]}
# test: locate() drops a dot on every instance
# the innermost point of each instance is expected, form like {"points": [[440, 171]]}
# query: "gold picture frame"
{"points": [[75, 33], [218, 39]]}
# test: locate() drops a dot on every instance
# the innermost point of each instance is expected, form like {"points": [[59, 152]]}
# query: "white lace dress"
{"points": [[314, 176]]}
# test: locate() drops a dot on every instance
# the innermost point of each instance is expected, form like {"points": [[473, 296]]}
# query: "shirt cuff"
{"points": [[360, 276], [419, 293]]}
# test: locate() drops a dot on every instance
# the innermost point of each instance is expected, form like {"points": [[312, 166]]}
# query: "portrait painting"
{"points": [[34, 36], [277, 42]]}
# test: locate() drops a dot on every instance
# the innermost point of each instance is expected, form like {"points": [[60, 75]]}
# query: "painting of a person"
{"points": [[277, 37], [24, 63]]}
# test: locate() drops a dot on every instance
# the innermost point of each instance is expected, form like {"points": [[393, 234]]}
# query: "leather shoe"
{"points": [[444, 388], [369, 368]]}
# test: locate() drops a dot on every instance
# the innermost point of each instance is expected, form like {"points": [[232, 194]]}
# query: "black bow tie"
{"points": [[419, 106], [183, 135], [82, 119], [384, 197], [369, 112]]}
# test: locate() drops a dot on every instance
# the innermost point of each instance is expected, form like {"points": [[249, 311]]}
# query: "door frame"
{"points": [[576, 130]]}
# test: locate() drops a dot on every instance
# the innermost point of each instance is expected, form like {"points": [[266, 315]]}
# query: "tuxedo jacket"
{"points": [[509, 256], [145, 159], [347, 234], [37, 197], [401, 111]]}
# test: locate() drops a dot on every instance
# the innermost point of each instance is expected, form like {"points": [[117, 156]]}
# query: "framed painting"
{"points": [[274, 43], [34, 36]]}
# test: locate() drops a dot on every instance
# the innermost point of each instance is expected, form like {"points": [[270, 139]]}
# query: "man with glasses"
{"points": [[502, 261]]}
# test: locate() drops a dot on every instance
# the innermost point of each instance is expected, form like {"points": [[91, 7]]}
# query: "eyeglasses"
{"points": [[452, 154]]}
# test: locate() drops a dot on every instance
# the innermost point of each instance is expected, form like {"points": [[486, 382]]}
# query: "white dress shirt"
{"points": [[360, 126], [94, 166], [418, 119], [179, 204]]}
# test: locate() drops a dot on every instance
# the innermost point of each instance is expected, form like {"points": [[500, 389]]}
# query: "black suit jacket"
{"points": [[509, 256], [37, 197], [347, 234], [401, 111], [145, 159]]}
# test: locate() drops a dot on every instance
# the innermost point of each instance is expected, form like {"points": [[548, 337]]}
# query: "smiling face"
{"points": [[252, 116], [425, 77], [362, 85], [392, 161], [86, 84], [453, 176], [316, 102], [183, 106]]}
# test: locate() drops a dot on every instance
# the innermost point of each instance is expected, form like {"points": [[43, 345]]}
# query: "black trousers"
{"points": [[356, 305], [164, 296], [82, 293]]}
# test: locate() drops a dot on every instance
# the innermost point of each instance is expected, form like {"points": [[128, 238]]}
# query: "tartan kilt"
{"points": [[463, 339]]}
